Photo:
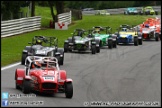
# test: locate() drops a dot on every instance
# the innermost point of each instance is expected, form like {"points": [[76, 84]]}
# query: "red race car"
{"points": [[43, 74], [151, 29]]}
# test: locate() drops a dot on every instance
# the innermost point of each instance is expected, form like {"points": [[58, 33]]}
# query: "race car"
{"points": [[43, 46], [127, 34], [42, 74], [151, 29], [80, 41], [131, 11], [104, 37], [148, 10]]}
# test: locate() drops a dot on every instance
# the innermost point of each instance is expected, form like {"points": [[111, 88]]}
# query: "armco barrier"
{"points": [[18, 26], [65, 17]]}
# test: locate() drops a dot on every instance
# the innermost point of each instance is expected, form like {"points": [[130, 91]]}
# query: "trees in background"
{"points": [[11, 9]]}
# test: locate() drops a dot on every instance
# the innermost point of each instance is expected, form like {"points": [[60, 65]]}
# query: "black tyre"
{"points": [[156, 12], [26, 88], [98, 49], [140, 41], [114, 44], [17, 86], [156, 37], [59, 59], [135, 41], [110, 44], [23, 58], [68, 90], [93, 49], [65, 47]]}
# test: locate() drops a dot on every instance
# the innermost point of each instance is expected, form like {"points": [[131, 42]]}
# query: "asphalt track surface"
{"points": [[128, 73]]}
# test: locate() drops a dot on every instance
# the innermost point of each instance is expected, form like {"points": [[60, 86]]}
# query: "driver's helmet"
{"points": [[124, 29], [36, 65], [38, 42], [147, 26]]}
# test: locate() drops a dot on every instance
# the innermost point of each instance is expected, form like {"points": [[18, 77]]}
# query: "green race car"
{"points": [[148, 10], [80, 41], [104, 36]]}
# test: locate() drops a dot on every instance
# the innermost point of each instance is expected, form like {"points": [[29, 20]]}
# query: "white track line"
{"points": [[10, 66]]}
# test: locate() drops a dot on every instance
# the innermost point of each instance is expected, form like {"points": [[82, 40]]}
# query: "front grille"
{"points": [[79, 47], [123, 40], [48, 85]]}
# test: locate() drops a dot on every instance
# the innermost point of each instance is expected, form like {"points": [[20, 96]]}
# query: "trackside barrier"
{"points": [[65, 17], [18, 26], [64, 20]]}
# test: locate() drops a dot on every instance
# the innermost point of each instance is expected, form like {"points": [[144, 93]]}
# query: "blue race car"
{"points": [[127, 35], [131, 11]]}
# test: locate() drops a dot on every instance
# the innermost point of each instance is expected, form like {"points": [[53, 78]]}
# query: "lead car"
{"points": [[43, 74]]}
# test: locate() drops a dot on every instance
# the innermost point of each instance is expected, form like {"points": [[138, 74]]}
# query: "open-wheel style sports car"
{"points": [[148, 10], [131, 11], [151, 29], [80, 41], [104, 36], [42, 74], [127, 34], [43, 46]]}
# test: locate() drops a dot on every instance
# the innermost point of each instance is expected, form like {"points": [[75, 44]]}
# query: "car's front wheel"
{"points": [[23, 58], [93, 49], [69, 90], [26, 87], [136, 41]]}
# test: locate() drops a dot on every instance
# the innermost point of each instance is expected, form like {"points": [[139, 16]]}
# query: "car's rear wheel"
{"points": [[156, 12], [69, 90], [26, 87], [65, 47], [59, 59], [156, 37]]}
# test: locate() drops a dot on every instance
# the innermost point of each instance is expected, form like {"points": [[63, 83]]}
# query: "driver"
{"points": [[147, 25], [36, 65], [38, 42]]}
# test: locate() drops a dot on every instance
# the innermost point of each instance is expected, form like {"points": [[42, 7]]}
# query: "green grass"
{"points": [[11, 47], [44, 12]]}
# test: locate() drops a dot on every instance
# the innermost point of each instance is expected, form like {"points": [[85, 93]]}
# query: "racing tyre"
{"points": [[140, 41], [68, 90], [17, 86], [156, 37], [114, 44], [98, 49], [23, 58], [93, 49], [135, 41], [156, 12], [59, 59], [61, 62], [65, 47], [110, 44], [26, 87]]}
